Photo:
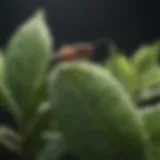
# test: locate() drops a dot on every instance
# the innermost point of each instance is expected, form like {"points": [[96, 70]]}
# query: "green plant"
{"points": [[139, 74], [86, 108], [23, 80]]}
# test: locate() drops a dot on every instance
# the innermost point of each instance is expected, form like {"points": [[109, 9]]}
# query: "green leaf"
{"points": [[8, 102], [34, 128], [155, 152], [38, 99], [2, 69], [124, 71], [150, 94], [146, 57], [150, 84], [95, 113], [51, 135], [10, 139], [151, 117], [28, 55], [54, 147], [6, 99], [151, 77], [41, 118]]}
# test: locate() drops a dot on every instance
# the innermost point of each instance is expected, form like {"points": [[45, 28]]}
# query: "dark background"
{"points": [[128, 22]]}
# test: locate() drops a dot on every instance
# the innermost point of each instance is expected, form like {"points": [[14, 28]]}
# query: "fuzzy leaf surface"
{"points": [[28, 55], [95, 113]]}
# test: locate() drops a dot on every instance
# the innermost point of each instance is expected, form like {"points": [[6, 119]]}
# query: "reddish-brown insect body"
{"points": [[67, 52], [84, 48], [75, 51]]}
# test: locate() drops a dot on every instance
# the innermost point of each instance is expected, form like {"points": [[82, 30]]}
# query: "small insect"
{"points": [[77, 51], [72, 52]]}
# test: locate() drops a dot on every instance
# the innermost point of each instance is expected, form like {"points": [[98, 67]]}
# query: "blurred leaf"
{"points": [[43, 115], [124, 71], [155, 151], [2, 69], [37, 99], [150, 95], [52, 151], [151, 77], [95, 114], [146, 57], [51, 135], [150, 85], [6, 99], [10, 139], [10, 105], [28, 56], [54, 147], [35, 127], [2, 76], [151, 118]]}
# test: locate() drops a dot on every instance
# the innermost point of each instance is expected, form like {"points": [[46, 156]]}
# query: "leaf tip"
{"points": [[40, 14]]}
